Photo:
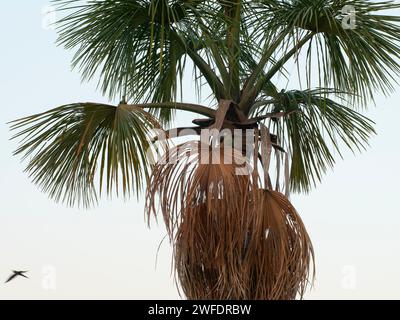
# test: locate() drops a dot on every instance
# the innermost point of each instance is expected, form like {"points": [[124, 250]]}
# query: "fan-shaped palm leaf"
{"points": [[67, 146], [360, 57], [133, 44], [312, 131]]}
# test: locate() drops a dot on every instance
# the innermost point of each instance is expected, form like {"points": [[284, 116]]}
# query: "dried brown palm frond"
{"points": [[261, 252], [231, 240], [280, 264], [170, 178]]}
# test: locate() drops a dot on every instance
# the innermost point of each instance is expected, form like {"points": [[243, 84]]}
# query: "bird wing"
{"points": [[11, 277]]}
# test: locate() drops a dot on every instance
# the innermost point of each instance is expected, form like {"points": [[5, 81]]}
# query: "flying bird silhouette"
{"points": [[17, 274]]}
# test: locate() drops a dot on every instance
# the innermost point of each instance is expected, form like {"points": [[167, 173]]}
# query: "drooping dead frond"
{"points": [[261, 251], [231, 240], [171, 177]]}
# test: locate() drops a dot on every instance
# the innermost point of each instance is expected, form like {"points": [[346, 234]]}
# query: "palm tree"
{"points": [[235, 235]]}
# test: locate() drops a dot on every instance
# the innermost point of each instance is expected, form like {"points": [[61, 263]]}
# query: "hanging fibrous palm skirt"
{"points": [[231, 238]]}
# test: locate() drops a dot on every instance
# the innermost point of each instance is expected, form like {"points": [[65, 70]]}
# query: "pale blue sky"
{"points": [[353, 217]]}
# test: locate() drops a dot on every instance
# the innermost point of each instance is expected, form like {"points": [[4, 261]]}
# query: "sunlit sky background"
{"points": [[353, 216]]}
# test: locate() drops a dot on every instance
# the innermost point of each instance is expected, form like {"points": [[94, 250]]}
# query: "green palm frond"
{"points": [[126, 42], [74, 148], [160, 86], [311, 133], [140, 47], [361, 58]]}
